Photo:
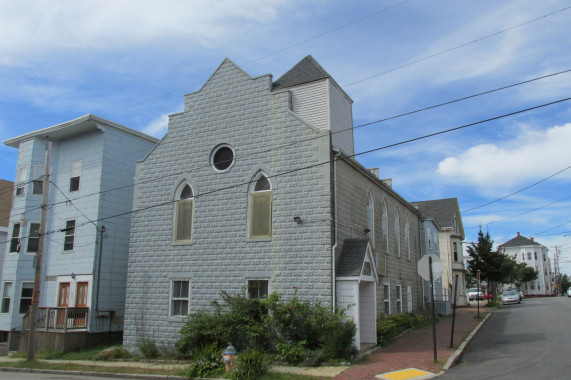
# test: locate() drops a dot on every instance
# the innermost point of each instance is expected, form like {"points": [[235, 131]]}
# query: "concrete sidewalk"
{"points": [[413, 350]]}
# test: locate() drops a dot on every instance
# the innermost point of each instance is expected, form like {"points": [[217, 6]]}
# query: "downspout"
{"points": [[334, 248]]}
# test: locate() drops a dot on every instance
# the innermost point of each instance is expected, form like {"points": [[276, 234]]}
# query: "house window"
{"points": [[180, 297], [15, 240], [258, 288], [260, 198], [21, 177], [33, 237], [385, 225], [26, 296], [222, 157], [529, 255], [544, 257], [455, 251], [399, 299], [409, 298], [371, 219], [407, 238], [387, 300], [535, 255], [69, 235], [38, 187], [523, 255], [184, 211], [6, 297], [397, 232], [75, 175]]}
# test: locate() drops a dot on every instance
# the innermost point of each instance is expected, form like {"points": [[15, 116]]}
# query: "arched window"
{"points": [[260, 207], [183, 212], [371, 219], [385, 226], [407, 238], [397, 232]]}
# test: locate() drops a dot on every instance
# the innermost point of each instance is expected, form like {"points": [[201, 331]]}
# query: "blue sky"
{"points": [[132, 61]]}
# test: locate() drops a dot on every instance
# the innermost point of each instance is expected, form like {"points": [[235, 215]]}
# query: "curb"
{"points": [[94, 373], [457, 355]]}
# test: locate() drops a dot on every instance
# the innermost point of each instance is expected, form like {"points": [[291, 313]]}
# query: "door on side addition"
{"points": [[80, 301], [63, 303]]}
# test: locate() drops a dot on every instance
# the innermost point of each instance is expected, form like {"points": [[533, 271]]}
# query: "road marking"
{"points": [[404, 374]]}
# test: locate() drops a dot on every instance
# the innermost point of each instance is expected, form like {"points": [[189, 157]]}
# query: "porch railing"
{"points": [[61, 319]]}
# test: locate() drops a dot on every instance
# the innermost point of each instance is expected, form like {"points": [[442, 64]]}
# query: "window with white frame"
{"points": [[529, 255], [385, 225], [75, 175], [387, 299], [15, 239], [6, 296], [258, 288], [399, 298], [455, 245], [26, 296], [183, 214], [397, 232], [69, 238], [38, 184], [33, 238], [21, 178], [407, 238], [260, 207], [180, 298], [409, 298], [371, 219]]}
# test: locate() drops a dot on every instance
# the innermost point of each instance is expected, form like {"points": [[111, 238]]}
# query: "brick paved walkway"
{"points": [[415, 349]]}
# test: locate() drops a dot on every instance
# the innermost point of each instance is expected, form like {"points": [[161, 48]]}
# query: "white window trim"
{"points": [[25, 251], [9, 296], [21, 179], [387, 297], [74, 236], [171, 299], [20, 298], [76, 171], [251, 191], [214, 151], [268, 279], [397, 233], [398, 289], [9, 243]]}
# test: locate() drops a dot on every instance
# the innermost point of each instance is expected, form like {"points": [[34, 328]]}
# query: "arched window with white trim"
{"points": [[371, 219], [397, 232], [183, 214], [407, 238], [385, 226], [260, 207]]}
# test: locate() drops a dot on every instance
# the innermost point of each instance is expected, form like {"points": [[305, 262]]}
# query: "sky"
{"points": [[132, 61]]}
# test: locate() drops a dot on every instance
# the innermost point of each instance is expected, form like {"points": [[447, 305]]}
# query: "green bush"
{"points": [[206, 361], [290, 353], [111, 353], [249, 365], [391, 326], [148, 348]]}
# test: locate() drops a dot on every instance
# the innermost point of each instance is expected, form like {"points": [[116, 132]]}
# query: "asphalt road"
{"points": [[531, 340]]}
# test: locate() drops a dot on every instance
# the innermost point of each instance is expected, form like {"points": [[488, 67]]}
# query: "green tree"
{"points": [[564, 284], [494, 266]]}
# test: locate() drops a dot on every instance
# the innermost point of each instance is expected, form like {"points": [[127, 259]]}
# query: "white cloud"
{"points": [[44, 26], [534, 154], [158, 127]]}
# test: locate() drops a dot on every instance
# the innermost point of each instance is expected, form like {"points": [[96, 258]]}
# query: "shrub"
{"points": [[249, 365], [148, 348], [290, 353], [391, 326], [206, 361], [111, 353]]}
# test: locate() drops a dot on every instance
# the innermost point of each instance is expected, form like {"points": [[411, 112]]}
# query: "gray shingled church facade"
{"points": [[254, 189]]}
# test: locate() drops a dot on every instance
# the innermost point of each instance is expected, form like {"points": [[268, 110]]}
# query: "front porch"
{"points": [[59, 319]]}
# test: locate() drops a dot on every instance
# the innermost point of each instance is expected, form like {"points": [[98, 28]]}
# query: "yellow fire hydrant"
{"points": [[229, 358]]}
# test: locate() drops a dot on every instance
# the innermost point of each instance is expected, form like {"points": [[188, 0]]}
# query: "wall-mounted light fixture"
{"points": [[367, 230], [73, 276], [297, 219]]}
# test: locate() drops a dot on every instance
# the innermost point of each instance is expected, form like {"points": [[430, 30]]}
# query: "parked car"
{"points": [[569, 292], [475, 293], [521, 295], [510, 296]]}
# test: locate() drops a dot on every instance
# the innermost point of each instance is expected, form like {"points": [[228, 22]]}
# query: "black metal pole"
{"points": [[433, 313], [478, 295], [454, 311]]}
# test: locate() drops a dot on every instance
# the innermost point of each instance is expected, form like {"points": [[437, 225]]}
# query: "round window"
{"points": [[222, 158]]}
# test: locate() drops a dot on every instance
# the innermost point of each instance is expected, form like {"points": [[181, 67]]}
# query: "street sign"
{"points": [[437, 267]]}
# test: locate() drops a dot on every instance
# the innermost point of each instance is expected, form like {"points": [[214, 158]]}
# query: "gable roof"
{"points": [[519, 241], [6, 192], [352, 258], [443, 211], [305, 71]]}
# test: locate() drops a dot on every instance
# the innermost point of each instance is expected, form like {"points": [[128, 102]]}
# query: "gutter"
{"points": [[334, 247]]}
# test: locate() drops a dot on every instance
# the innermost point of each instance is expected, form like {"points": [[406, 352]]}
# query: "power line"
{"points": [[517, 192], [335, 159], [269, 150], [456, 47]]}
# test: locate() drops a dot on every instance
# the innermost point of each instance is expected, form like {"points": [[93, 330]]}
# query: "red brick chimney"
{"points": [[518, 234], [531, 238]]}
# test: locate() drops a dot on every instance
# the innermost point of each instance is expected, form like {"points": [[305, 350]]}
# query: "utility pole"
{"points": [[39, 256]]}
